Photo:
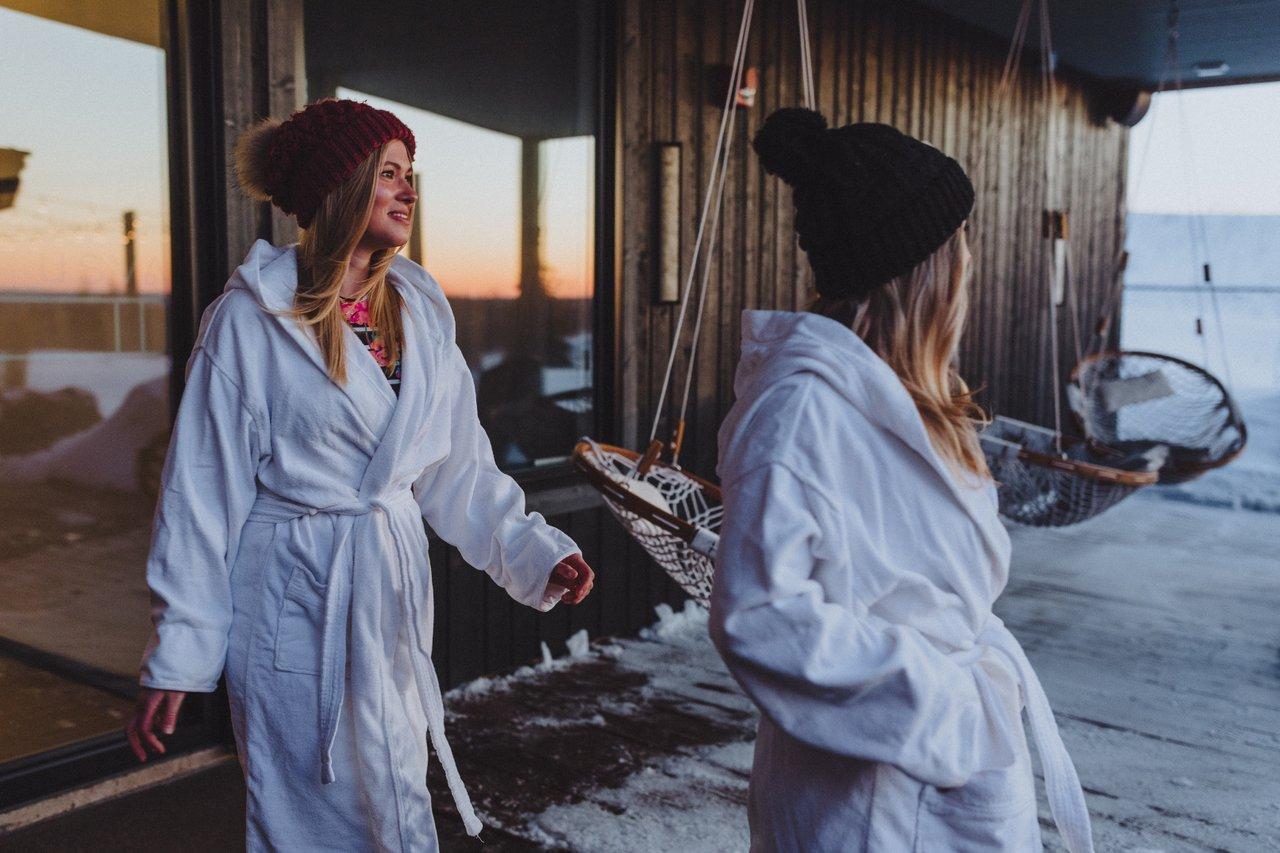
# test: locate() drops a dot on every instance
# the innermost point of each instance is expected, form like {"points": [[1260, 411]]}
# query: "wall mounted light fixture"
{"points": [[667, 230]]}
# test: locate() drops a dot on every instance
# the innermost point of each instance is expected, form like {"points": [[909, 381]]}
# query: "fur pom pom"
{"points": [[789, 143], [253, 159]]}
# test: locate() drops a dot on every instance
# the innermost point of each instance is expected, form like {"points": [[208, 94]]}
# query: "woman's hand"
{"points": [[571, 579], [140, 729]]}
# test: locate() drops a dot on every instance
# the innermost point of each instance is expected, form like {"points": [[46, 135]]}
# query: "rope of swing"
{"points": [[1195, 222], [1048, 93], [1172, 72], [713, 183], [713, 205]]}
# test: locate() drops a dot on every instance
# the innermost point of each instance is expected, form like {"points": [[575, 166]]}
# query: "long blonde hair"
{"points": [[324, 251], [914, 323]]}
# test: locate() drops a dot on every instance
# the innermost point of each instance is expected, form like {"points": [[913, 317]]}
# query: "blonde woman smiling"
{"points": [[327, 412]]}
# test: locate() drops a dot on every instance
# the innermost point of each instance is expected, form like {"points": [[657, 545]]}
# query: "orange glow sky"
{"points": [[469, 180], [91, 110]]}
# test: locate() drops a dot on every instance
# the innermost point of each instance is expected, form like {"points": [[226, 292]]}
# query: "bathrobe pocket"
{"points": [[299, 630], [994, 810]]}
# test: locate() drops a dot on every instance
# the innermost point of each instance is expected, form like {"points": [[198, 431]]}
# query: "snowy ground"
{"points": [[1153, 630]]}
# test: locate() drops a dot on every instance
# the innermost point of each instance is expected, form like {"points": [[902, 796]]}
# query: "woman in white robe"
{"points": [[288, 546], [860, 550]]}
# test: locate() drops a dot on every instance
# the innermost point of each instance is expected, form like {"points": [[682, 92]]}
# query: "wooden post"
{"points": [[534, 307], [417, 252], [130, 258]]}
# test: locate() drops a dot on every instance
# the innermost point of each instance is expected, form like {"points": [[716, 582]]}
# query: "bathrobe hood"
{"points": [[782, 345]]}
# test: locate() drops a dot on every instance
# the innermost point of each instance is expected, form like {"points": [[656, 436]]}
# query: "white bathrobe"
{"points": [[288, 546], [852, 601]]}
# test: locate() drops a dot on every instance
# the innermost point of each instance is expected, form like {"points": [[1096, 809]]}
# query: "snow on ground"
{"points": [[1152, 628], [691, 803]]}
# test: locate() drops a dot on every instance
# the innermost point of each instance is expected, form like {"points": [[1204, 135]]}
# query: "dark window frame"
{"points": [[559, 479], [198, 239]]}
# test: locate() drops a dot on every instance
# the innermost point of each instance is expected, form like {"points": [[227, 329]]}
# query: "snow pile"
{"points": [[579, 644], [685, 628], [104, 455], [689, 624]]}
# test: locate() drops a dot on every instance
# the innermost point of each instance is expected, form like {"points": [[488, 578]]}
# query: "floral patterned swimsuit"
{"points": [[356, 312]]}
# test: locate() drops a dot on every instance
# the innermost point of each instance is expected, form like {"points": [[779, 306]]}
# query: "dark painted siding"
{"points": [[888, 62]]}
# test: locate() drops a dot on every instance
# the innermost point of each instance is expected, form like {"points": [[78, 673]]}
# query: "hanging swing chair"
{"points": [[1044, 477], [1133, 400], [1048, 480], [674, 514]]}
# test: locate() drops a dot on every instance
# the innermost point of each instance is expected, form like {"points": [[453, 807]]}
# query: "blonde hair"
{"points": [[914, 323], [324, 252]]}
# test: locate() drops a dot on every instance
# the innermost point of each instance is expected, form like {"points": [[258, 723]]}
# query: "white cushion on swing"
{"points": [[652, 495], [1118, 393]]}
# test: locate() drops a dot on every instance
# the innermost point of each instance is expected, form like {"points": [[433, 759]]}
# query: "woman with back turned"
{"points": [[860, 550]]}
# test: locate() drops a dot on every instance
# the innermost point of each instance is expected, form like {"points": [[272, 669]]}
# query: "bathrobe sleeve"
{"points": [[844, 681], [207, 487], [480, 510]]}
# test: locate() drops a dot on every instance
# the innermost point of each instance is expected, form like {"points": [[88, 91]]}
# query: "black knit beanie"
{"points": [[871, 202]]}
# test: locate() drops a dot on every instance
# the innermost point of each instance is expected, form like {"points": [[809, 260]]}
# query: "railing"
{"points": [[120, 306]]}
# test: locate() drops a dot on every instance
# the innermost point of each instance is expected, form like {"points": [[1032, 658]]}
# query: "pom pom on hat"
{"points": [[790, 142], [253, 158]]}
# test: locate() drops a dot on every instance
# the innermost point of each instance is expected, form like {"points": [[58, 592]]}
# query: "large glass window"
{"points": [[84, 284], [501, 98]]}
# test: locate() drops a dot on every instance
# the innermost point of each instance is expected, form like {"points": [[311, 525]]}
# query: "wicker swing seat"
{"points": [[1132, 401], [673, 514], [1040, 487]]}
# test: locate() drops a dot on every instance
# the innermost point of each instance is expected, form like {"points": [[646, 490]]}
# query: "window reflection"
{"points": [[505, 167], [84, 283]]}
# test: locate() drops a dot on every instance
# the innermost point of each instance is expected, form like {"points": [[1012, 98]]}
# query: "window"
{"points": [[84, 385], [501, 98]]}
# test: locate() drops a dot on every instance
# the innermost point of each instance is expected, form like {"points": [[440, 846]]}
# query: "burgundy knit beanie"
{"points": [[294, 164], [871, 202]]}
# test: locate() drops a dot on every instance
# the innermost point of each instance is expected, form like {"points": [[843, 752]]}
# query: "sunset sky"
{"points": [[469, 179], [90, 109]]}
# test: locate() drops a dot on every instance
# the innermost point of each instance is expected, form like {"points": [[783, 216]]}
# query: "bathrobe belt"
{"points": [[383, 533], [1062, 785]]}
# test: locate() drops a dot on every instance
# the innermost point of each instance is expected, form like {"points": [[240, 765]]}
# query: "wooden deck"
{"points": [[1154, 630]]}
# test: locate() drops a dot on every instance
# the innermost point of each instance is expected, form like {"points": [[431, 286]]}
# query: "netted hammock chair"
{"points": [[673, 513], [1136, 401], [1046, 479]]}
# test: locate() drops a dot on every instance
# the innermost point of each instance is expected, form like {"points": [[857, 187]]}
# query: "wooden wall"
{"points": [[890, 62]]}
